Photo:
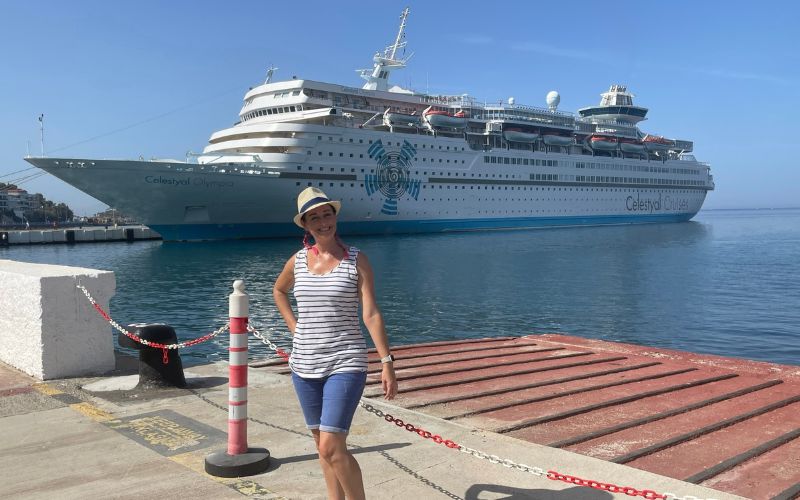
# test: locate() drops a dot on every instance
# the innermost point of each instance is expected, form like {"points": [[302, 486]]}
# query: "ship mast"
{"points": [[378, 77], [397, 43]]}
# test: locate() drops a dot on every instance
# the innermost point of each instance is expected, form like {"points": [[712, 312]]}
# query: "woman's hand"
{"points": [[388, 381]]}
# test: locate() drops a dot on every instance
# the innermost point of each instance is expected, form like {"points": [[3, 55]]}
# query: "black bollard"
{"points": [[153, 372]]}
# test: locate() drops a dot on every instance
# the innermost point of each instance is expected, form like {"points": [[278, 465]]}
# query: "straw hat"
{"points": [[311, 198]]}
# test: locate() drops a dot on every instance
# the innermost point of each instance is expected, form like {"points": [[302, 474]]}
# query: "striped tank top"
{"points": [[327, 338]]}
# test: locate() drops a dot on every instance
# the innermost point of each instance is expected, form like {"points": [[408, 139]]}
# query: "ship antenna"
{"points": [[41, 131], [400, 32]]}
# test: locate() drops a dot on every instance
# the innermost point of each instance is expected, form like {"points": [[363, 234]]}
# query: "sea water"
{"points": [[725, 283]]}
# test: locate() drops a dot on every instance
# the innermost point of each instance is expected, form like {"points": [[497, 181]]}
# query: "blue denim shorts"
{"points": [[329, 403]]}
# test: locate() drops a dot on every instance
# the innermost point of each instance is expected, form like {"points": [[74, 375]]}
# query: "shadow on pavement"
{"points": [[480, 491]]}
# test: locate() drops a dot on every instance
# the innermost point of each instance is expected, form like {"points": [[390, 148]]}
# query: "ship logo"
{"points": [[392, 177]]}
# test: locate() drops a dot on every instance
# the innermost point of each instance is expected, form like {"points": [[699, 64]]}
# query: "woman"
{"points": [[329, 354]]}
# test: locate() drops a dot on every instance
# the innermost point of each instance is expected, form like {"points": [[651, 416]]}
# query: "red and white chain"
{"points": [[280, 352], [133, 336]]}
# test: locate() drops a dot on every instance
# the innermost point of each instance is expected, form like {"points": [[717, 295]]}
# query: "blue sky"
{"points": [[122, 79]]}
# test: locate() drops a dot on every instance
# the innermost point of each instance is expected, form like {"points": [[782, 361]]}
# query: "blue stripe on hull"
{"points": [[194, 232]]}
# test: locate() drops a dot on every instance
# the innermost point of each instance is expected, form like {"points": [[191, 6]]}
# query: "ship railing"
{"points": [[499, 114], [538, 110], [449, 100]]}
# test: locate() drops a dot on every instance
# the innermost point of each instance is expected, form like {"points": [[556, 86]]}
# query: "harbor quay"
{"points": [[72, 235], [102, 438], [475, 419]]}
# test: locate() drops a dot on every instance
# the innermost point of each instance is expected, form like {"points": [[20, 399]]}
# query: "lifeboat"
{"points": [[401, 120], [558, 140], [603, 142], [445, 119], [656, 143], [519, 135], [631, 146]]}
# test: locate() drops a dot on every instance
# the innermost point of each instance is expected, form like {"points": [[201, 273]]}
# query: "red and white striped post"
{"points": [[239, 459], [237, 370]]}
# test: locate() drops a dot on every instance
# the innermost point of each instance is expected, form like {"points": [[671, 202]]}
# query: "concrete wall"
{"points": [[48, 329]]}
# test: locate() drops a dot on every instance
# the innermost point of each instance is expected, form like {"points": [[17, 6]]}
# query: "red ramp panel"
{"points": [[726, 423]]}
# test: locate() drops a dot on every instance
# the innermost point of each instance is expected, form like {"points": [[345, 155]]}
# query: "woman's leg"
{"points": [[335, 491], [340, 397], [309, 393], [333, 452]]}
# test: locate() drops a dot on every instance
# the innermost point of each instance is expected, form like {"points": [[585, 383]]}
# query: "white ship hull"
{"points": [[455, 173], [190, 201]]}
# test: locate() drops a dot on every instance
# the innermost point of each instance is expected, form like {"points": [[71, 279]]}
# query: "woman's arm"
{"points": [[280, 292], [374, 322]]}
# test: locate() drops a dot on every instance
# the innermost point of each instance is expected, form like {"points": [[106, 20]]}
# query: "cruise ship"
{"points": [[404, 162]]}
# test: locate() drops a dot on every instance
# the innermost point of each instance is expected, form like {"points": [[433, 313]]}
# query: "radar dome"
{"points": [[510, 101], [552, 100]]}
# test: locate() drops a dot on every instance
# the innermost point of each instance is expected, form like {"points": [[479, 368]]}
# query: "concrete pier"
{"points": [[80, 438], [70, 235]]}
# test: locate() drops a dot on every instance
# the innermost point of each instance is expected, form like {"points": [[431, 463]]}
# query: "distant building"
{"points": [[17, 201], [111, 216]]}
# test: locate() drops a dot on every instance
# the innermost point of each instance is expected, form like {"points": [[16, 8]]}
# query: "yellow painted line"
{"points": [[92, 412], [195, 460], [47, 390], [250, 488], [192, 460]]}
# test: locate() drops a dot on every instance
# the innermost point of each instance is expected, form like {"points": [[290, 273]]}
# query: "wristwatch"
{"points": [[387, 359]]}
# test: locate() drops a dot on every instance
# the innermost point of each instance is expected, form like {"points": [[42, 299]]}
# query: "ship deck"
{"points": [[725, 423]]}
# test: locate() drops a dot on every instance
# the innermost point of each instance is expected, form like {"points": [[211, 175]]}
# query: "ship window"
{"points": [[351, 139], [320, 153], [330, 154], [361, 141], [296, 92], [341, 154], [319, 137], [292, 108]]}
